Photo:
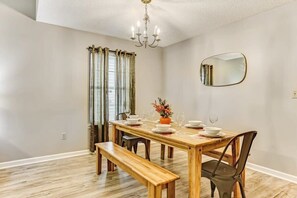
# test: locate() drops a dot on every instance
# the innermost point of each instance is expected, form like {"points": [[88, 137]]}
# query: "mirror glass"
{"points": [[223, 69]]}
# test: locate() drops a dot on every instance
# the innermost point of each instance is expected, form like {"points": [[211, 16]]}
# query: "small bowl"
{"points": [[163, 127], [195, 122], [132, 120], [134, 116], [212, 130]]}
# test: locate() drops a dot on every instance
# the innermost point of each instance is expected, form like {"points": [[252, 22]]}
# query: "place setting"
{"points": [[163, 129], [195, 124], [212, 131], [133, 120]]}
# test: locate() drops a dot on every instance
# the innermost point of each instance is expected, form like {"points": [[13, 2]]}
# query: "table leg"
{"points": [[235, 154], [171, 190], [114, 138], [162, 152], [170, 152], [194, 163], [98, 161], [114, 134]]}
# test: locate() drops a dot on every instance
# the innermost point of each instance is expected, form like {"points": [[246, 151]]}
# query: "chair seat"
{"points": [[131, 137], [224, 170]]}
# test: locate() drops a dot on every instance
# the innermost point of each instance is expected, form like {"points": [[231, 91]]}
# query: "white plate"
{"points": [[170, 130], [220, 134], [195, 127], [135, 124]]}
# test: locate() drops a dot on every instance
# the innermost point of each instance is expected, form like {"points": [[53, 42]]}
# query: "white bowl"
{"points": [[195, 122], [163, 127], [132, 120], [212, 130], [134, 116]]}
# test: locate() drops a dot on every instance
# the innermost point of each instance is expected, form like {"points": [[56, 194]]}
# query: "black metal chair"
{"points": [[224, 176], [132, 141]]}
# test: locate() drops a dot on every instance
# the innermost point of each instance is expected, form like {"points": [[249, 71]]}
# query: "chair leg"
{"points": [[241, 188], [135, 147], [147, 149], [129, 146], [213, 188], [123, 143]]}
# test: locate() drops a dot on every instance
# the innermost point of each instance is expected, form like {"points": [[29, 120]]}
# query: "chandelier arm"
{"points": [[153, 46], [154, 39], [139, 41]]}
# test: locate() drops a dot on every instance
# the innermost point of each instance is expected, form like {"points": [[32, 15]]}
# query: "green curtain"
{"points": [[207, 74], [125, 82], [98, 96], [99, 90]]}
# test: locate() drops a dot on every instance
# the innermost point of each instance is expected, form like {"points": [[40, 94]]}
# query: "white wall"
{"points": [[44, 81], [263, 101]]}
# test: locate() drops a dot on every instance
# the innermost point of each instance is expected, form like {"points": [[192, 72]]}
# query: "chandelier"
{"points": [[145, 41]]}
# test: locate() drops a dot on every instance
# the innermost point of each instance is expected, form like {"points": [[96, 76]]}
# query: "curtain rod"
{"points": [[96, 48]]}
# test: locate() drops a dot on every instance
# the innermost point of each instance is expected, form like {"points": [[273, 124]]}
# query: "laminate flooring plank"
{"points": [[76, 177]]}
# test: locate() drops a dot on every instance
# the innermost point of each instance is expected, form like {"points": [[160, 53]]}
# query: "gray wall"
{"points": [[263, 101], [44, 81]]}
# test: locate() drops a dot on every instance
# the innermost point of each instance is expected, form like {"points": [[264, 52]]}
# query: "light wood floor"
{"points": [[76, 177]]}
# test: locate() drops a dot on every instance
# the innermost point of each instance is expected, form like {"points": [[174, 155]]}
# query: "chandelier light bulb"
{"points": [[155, 30], [133, 32]]}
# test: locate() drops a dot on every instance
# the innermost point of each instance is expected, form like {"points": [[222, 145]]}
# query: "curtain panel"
{"points": [[102, 86], [125, 82], [207, 74]]}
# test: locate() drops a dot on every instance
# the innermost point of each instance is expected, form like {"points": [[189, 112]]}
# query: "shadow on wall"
{"points": [[9, 152], [27, 8]]}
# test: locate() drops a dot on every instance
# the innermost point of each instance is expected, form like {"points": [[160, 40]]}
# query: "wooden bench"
{"points": [[154, 177]]}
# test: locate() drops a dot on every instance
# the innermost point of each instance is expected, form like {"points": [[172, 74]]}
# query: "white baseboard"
{"points": [[45, 158], [271, 172]]}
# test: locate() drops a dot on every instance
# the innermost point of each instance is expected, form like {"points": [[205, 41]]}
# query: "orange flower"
{"points": [[163, 108]]}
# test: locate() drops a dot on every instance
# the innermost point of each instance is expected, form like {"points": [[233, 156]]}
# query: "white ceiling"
{"points": [[177, 19]]}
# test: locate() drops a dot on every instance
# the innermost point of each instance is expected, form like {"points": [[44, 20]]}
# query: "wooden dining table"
{"points": [[187, 139]]}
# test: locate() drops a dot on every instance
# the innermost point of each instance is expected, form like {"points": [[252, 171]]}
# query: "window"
{"points": [[112, 85], [115, 78]]}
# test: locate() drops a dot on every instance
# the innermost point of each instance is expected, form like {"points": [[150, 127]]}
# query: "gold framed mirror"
{"points": [[223, 70]]}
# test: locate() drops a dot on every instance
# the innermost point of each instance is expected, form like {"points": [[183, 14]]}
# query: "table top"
{"points": [[182, 138]]}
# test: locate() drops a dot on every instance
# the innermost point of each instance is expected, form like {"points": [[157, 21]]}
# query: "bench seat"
{"points": [[149, 174]]}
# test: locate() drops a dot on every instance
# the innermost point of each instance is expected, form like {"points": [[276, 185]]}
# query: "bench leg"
{"points": [[98, 161], [162, 152], [154, 191], [171, 190], [110, 166], [170, 152]]}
